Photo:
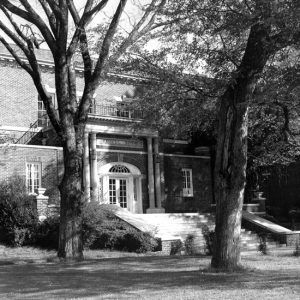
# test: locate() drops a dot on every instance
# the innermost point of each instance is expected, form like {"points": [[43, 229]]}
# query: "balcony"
{"points": [[116, 112]]}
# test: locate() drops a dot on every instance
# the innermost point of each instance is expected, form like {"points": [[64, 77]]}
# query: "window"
{"points": [[43, 120], [187, 178], [33, 177], [119, 169]]}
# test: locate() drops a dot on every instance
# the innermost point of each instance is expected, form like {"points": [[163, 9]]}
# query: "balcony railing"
{"points": [[118, 111]]}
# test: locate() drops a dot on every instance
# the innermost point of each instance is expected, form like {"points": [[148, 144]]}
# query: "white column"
{"points": [[157, 177], [94, 175], [157, 174], [150, 176], [86, 167]]}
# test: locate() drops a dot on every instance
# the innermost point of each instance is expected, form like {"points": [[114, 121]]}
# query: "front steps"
{"points": [[174, 226]]}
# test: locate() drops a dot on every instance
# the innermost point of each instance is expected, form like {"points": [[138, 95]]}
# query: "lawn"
{"points": [[28, 273]]}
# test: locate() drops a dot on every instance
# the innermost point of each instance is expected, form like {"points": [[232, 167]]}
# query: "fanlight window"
{"points": [[119, 169]]}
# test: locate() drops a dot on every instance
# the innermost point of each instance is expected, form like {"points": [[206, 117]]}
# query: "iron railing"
{"points": [[118, 111], [29, 134]]}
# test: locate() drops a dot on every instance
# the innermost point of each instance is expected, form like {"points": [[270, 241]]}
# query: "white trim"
{"points": [[133, 169], [39, 173], [144, 152], [187, 192], [170, 141], [120, 151], [120, 130], [133, 205], [31, 146], [50, 89], [182, 155], [14, 128], [104, 150]]}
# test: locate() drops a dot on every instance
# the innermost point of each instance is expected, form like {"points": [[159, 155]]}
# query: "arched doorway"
{"points": [[120, 184]]}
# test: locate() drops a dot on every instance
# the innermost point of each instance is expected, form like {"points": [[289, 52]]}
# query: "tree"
{"points": [[232, 41], [28, 25]]}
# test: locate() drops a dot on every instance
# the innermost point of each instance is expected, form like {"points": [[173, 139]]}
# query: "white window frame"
{"points": [[187, 182], [31, 187]]}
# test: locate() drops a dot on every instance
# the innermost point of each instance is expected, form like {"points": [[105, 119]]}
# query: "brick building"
{"points": [[126, 163]]}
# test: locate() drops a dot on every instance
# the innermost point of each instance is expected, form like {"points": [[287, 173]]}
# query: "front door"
{"points": [[118, 191]]}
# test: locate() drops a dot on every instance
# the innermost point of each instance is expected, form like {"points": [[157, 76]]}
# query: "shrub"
{"points": [[176, 247], [209, 236], [18, 216], [101, 230], [47, 233], [189, 244], [297, 249], [263, 246]]}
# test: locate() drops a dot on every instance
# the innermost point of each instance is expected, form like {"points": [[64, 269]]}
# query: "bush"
{"points": [[18, 216], [189, 244], [263, 246], [47, 233], [176, 247], [209, 236], [101, 230], [297, 249]]}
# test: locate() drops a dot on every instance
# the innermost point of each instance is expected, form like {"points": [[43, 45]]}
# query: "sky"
{"points": [[132, 12]]}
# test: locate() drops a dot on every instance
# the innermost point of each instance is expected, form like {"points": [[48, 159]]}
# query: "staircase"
{"points": [[30, 134], [174, 226]]}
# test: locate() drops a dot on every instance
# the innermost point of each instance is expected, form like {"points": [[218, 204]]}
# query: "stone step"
{"points": [[179, 226]]}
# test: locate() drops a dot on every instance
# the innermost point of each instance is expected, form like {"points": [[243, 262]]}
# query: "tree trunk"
{"points": [[230, 179], [72, 200], [231, 155]]}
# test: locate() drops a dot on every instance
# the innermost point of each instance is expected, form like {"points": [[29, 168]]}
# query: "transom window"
{"points": [[119, 169], [33, 177], [187, 178]]}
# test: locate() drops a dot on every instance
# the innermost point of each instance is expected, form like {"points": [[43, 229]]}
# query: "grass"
{"points": [[28, 273]]}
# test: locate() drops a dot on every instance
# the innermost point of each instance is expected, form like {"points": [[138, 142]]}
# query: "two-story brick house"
{"points": [[126, 163]]}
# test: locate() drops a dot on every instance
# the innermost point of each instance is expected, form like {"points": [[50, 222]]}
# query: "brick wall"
{"points": [[13, 161], [18, 95], [202, 188]]}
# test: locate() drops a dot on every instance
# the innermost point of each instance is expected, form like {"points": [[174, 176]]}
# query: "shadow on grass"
{"points": [[122, 276]]}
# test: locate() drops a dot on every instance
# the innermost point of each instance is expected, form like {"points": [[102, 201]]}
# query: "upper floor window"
{"points": [[43, 119], [33, 176], [187, 178]]}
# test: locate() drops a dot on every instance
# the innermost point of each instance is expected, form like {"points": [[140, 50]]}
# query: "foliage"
{"points": [[47, 232], [263, 245], [176, 247], [101, 230], [297, 250], [209, 236], [189, 244], [18, 216], [63, 27]]}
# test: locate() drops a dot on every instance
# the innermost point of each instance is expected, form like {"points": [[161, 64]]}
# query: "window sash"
{"points": [[33, 177], [187, 179]]}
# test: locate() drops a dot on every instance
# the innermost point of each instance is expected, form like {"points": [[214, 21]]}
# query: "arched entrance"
{"points": [[120, 184]]}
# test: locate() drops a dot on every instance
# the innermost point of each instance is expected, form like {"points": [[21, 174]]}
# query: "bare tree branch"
{"points": [[50, 15], [107, 42], [31, 16]]}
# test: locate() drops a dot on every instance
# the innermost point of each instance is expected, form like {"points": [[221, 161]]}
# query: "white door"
{"points": [[118, 192]]}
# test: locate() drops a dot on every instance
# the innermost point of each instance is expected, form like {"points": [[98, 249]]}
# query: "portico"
{"points": [[119, 181]]}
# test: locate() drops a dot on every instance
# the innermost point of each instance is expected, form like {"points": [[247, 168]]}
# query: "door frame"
{"points": [[134, 185]]}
